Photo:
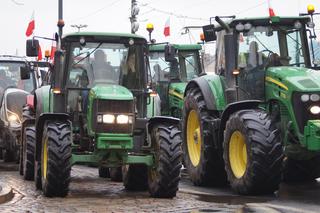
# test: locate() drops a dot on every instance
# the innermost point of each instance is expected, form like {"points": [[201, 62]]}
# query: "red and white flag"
{"points": [[53, 49], [166, 30], [31, 26], [271, 12], [39, 53]]}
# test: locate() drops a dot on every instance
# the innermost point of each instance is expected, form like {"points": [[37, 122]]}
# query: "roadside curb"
{"points": [[6, 194]]}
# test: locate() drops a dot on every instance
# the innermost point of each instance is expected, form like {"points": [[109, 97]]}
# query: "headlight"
{"points": [[99, 119], [13, 118], [305, 97], [122, 119], [311, 97], [314, 97], [108, 118], [315, 110]]}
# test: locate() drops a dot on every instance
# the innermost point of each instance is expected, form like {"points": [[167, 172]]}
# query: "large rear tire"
{"points": [[301, 170], [28, 152], [104, 172], [116, 174], [135, 177], [56, 159], [204, 163], [163, 178], [252, 152]]}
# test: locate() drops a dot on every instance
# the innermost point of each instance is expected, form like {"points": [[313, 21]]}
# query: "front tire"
{"points": [[252, 153], [204, 163], [104, 172], [135, 177], [28, 152], [163, 179], [116, 174], [56, 159]]}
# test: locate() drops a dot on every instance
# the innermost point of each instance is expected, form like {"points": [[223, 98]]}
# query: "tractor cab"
{"points": [[257, 46], [172, 67]]}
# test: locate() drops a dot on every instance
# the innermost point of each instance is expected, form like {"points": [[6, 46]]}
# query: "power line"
{"points": [[251, 8], [17, 3], [171, 13], [96, 11]]}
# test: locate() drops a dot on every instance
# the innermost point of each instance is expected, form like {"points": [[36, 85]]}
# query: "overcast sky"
{"points": [[112, 15]]}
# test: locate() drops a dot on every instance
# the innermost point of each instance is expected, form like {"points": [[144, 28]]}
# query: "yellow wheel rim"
{"points": [[45, 159], [238, 154], [194, 137]]}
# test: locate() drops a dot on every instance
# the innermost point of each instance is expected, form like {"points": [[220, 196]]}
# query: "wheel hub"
{"points": [[238, 154], [194, 141]]}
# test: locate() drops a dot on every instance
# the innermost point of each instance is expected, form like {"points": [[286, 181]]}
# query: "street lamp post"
{"points": [[79, 26]]}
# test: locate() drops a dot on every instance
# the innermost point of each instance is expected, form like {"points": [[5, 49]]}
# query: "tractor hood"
{"points": [[110, 92], [294, 78]]}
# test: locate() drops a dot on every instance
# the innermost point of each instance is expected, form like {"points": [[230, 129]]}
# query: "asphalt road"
{"points": [[89, 193]]}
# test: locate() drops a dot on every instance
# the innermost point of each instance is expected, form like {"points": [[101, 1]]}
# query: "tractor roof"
{"points": [[12, 58], [160, 47], [102, 35], [267, 20]]}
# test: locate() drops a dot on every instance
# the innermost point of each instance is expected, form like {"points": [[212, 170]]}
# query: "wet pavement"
{"points": [[89, 193]]}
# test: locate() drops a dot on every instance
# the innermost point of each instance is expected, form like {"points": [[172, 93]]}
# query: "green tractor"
{"points": [[94, 111], [172, 67], [257, 120]]}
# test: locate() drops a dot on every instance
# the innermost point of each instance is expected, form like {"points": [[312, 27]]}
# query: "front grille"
{"points": [[302, 110], [115, 107]]}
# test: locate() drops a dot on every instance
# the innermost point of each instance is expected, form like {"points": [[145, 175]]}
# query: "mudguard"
{"points": [[203, 85], [163, 120]]}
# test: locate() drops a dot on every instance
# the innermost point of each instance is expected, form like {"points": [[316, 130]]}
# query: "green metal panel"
{"points": [[312, 135], [110, 92], [216, 85], [114, 141]]}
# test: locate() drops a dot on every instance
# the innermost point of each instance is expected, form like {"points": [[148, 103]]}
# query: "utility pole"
{"points": [[60, 21], [133, 19]]}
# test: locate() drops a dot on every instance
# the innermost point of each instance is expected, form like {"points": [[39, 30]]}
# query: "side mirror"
{"points": [[24, 73], [169, 53], [32, 47], [209, 33]]}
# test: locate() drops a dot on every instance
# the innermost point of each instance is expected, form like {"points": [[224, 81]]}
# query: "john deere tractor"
{"points": [[257, 120], [172, 67], [94, 111]]}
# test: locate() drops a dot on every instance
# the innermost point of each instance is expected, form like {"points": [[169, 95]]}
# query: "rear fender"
{"points": [[40, 123], [169, 121], [206, 91]]}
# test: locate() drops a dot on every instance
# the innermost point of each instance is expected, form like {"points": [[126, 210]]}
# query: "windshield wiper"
{"points": [[87, 54]]}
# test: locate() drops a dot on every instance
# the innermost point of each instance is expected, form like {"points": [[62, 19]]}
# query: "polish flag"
{"points": [[53, 49], [31, 26], [166, 30], [271, 12], [39, 53]]}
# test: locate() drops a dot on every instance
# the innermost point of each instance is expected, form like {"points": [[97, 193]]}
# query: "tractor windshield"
{"points": [[10, 77], [283, 44], [106, 63], [187, 68], [267, 46]]}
